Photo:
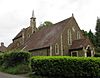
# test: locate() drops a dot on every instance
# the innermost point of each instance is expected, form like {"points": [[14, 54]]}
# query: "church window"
{"points": [[56, 48], [69, 37], [78, 35]]}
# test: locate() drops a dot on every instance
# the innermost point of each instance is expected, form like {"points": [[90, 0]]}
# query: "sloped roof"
{"points": [[80, 43], [20, 33], [46, 36]]}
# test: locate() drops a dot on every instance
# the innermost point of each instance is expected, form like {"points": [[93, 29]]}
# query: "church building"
{"points": [[64, 38]]}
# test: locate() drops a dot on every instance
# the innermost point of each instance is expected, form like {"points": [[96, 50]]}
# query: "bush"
{"points": [[1, 59], [65, 66], [11, 59], [15, 62], [19, 69]]}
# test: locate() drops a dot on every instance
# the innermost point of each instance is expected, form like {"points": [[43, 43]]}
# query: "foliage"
{"points": [[18, 69], [92, 37], [65, 66], [97, 32], [14, 58], [1, 59], [85, 33], [97, 49], [45, 24], [15, 62]]}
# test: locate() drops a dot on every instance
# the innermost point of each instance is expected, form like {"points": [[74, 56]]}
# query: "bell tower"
{"points": [[33, 22]]}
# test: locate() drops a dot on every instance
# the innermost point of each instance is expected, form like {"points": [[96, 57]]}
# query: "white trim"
{"points": [[85, 52], [50, 50], [56, 49], [61, 46], [87, 47], [23, 48], [74, 52]]}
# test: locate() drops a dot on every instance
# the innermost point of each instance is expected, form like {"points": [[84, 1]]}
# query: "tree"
{"points": [[85, 33], [45, 24], [97, 34], [92, 37]]}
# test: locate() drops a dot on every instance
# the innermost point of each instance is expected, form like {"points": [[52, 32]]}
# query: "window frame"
{"points": [[69, 33]]}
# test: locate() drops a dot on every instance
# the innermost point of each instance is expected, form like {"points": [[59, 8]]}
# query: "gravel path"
{"points": [[5, 75]]}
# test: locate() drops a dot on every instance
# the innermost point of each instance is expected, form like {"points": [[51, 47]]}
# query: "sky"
{"points": [[16, 14]]}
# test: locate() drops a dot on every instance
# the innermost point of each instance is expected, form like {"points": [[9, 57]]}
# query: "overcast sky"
{"points": [[15, 14]]}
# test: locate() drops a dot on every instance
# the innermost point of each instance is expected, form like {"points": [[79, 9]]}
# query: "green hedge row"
{"points": [[65, 66]]}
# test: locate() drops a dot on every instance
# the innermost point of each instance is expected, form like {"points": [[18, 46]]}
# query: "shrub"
{"points": [[11, 59], [19, 69], [65, 66], [1, 59]]}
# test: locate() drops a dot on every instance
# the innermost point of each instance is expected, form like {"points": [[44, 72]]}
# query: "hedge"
{"points": [[65, 66]]}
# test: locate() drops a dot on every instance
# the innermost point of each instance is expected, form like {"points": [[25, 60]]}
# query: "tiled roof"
{"points": [[20, 33], [80, 43], [46, 36]]}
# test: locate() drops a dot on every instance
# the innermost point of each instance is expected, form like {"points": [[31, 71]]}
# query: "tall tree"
{"points": [[97, 34], [92, 37]]}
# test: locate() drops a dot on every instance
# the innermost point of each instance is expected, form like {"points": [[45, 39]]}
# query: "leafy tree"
{"points": [[97, 32], [85, 33], [45, 24]]}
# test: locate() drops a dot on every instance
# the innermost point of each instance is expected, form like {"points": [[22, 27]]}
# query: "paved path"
{"points": [[4, 75]]}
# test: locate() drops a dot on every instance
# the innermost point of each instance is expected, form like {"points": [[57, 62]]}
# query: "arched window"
{"points": [[56, 48], [78, 35], [69, 37]]}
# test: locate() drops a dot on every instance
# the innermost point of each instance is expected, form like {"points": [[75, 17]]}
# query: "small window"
{"points": [[56, 49], [74, 53]]}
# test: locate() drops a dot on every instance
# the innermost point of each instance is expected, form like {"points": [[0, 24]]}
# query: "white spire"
{"points": [[33, 13]]}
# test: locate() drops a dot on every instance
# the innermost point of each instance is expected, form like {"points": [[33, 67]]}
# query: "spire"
{"points": [[33, 22], [33, 13], [72, 15]]}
